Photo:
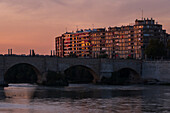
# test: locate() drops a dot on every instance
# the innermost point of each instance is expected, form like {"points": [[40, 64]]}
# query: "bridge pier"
{"points": [[106, 70], [2, 65], [1, 76], [2, 82]]}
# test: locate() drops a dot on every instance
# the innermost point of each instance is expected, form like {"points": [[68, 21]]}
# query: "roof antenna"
{"points": [[66, 29], [77, 27], [142, 13]]}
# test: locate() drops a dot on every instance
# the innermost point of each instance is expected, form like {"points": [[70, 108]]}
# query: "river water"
{"points": [[84, 98]]}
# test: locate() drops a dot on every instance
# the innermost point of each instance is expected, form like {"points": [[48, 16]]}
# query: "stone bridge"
{"points": [[98, 67]]}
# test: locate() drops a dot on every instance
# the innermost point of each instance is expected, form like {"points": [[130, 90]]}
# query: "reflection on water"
{"points": [[23, 91], [84, 98]]}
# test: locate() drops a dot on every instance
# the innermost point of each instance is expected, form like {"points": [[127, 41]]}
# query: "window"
{"points": [[139, 31], [146, 34], [140, 26]]}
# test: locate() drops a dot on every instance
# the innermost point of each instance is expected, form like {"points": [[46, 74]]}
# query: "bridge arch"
{"points": [[81, 74], [126, 75], [22, 71]]}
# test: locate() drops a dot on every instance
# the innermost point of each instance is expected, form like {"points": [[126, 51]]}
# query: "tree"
{"points": [[72, 55], [54, 79], [168, 48], [103, 56], [155, 49]]}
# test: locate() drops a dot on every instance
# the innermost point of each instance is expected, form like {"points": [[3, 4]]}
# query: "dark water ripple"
{"points": [[84, 98]]}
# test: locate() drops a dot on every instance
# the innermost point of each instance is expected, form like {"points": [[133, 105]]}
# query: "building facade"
{"points": [[70, 43], [59, 46], [97, 40], [116, 42], [119, 42]]}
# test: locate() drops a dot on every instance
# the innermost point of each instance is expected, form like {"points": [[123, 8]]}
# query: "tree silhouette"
{"points": [[155, 49]]}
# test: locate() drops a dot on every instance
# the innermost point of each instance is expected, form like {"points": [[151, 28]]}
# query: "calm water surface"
{"points": [[84, 98]]}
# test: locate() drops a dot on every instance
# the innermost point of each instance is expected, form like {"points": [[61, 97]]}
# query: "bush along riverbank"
{"points": [[52, 78]]}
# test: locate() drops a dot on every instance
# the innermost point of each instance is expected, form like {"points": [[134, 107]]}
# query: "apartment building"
{"points": [[116, 42], [73, 43]]}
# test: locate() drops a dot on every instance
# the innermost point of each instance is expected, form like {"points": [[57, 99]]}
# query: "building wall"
{"points": [[59, 46]]}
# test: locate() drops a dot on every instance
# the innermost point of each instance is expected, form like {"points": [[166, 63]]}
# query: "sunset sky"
{"points": [[34, 24]]}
